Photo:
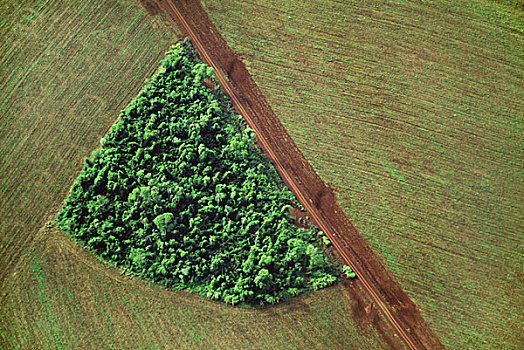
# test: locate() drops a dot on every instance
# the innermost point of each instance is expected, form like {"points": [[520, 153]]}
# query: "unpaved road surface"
{"points": [[386, 295]]}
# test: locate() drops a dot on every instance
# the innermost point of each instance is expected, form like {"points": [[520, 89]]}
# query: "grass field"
{"points": [[412, 111], [67, 69]]}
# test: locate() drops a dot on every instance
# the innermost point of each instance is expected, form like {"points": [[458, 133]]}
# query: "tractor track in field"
{"points": [[402, 315]]}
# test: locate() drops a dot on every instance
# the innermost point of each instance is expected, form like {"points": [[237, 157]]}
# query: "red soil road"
{"points": [[300, 177]]}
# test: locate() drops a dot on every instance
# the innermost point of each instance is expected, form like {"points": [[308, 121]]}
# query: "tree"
{"points": [[165, 222]]}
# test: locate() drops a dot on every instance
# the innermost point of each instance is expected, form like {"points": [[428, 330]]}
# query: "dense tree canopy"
{"points": [[180, 194]]}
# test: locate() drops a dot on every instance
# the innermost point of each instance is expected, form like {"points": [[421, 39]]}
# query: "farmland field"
{"points": [[67, 69], [413, 112], [63, 297]]}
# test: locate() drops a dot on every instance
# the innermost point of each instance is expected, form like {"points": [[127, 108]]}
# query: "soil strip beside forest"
{"points": [[318, 199]]}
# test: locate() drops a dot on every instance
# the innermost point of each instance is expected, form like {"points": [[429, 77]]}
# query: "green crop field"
{"points": [[412, 111], [67, 68]]}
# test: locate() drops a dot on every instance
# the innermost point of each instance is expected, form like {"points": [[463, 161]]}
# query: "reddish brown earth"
{"points": [[381, 301]]}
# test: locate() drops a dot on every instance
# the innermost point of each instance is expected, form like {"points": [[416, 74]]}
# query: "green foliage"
{"points": [[348, 272], [164, 222], [180, 194]]}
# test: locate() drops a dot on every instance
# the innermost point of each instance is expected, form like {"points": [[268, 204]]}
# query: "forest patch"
{"points": [[180, 194]]}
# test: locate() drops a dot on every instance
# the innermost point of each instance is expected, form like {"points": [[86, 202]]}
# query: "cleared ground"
{"points": [[68, 68], [412, 111]]}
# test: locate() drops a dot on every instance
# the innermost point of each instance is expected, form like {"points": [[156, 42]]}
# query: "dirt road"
{"points": [[318, 199]]}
